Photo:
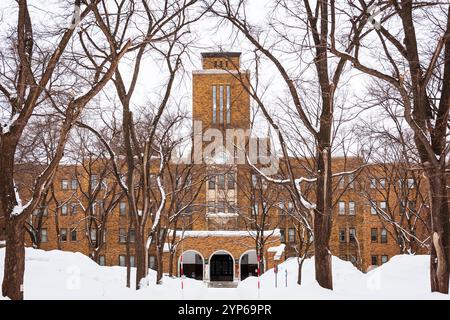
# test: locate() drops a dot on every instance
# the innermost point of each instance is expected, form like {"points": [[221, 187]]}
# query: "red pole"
{"points": [[259, 272], [181, 271]]}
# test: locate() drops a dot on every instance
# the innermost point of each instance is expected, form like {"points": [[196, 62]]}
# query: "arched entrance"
{"points": [[221, 266], [248, 264], [192, 265]]}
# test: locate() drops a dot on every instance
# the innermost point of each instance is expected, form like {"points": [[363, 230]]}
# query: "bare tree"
{"points": [[420, 79], [27, 81]]}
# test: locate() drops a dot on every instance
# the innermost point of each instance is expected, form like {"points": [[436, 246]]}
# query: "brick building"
{"points": [[218, 241]]}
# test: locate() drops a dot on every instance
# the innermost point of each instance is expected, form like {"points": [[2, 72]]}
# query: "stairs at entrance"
{"points": [[222, 284]]}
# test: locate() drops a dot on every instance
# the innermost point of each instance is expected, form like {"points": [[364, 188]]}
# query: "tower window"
{"points": [[221, 104], [228, 104], [214, 98]]}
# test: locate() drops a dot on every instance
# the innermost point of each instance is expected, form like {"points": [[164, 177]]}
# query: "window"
{"points": [[373, 183], [411, 206], [282, 236], [122, 208], [221, 182], [373, 207], [341, 235], [122, 261], [351, 208], [353, 259], [64, 184], [343, 257], [291, 235], [214, 98], [383, 183], [132, 236], [73, 208], [73, 235], [231, 207], [290, 207], [74, 184], [383, 205], [212, 183], [341, 208], [351, 181], [122, 235], [93, 235], [341, 184], [228, 104], [132, 261], [383, 236], [410, 183], [211, 207], [374, 235], [152, 262], [220, 104], [102, 260], [374, 260], [44, 235], [64, 209], [63, 235], [230, 181], [384, 259], [94, 181], [352, 234]]}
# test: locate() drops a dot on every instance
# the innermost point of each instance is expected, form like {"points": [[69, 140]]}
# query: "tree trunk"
{"points": [[14, 260], [171, 256], [160, 265], [140, 259], [439, 258], [322, 221], [299, 273]]}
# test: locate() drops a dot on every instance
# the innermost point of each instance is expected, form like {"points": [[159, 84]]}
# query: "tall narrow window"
{"points": [[221, 104], [374, 234], [341, 208], [214, 98], [341, 235], [351, 234], [351, 208], [228, 104], [384, 236]]}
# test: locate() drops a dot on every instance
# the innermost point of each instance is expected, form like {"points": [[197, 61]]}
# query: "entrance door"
{"points": [[221, 266]]}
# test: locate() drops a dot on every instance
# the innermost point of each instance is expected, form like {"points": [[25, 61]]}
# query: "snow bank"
{"points": [[66, 275]]}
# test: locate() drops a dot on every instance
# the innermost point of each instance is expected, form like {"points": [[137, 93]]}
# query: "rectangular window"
{"points": [[64, 184], [122, 235], [291, 235], [132, 236], [122, 208], [73, 208], [230, 181], [64, 209], [341, 208], [374, 260], [44, 235], [102, 260], [384, 236], [351, 234], [374, 235], [384, 259], [122, 260], [94, 181], [373, 207], [63, 235], [383, 205], [93, 235], [373, 183], [132, 261], [351, 181], [402, 206], [282, 236], [214, 102], [73, 235], [211, 207], [383, 183], [341, 235], [411, 206], [351, 208], [341, 184], [74, 184], [221, 182], [228, 104], [221, 104], [212, 183], [231, 206], [410, 183]]}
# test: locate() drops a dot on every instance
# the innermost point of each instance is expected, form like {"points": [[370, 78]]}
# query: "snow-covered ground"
{"points": [[65, 275]]}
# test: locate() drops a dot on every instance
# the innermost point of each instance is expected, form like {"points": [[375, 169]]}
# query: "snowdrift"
{"points": [[65, 275]]}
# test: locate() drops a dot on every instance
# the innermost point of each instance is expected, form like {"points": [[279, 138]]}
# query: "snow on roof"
{"points": [[278, 251], [219, 71], [226, 233], [221, 215]]}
